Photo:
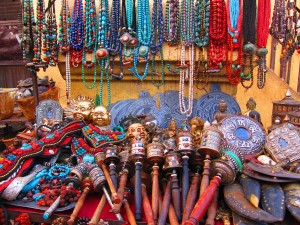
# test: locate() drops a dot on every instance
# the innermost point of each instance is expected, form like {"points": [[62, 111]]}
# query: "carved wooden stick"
{"points": [[205, 175], [96, 216], [123, 179], [204, 201], [185, 179], [176, 195], [99, 157], [147, 207], [129, 213], [165, 205], [212, 210], [114, 176], [155, 192], [172, 215], [78, 205], [192, 197], [138, 191]]}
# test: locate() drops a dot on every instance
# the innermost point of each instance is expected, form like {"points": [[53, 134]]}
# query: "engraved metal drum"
{"points": [[185, 144], [173, 161], [111, 154], [211, 141], [97, 178], [245, 133], [155, 155], [125, 162]]}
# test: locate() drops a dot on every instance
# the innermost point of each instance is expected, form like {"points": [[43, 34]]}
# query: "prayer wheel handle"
{"points": [[204, 201]]}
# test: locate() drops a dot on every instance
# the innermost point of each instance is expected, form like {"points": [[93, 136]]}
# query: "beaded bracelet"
{"points": [[58, 171]]}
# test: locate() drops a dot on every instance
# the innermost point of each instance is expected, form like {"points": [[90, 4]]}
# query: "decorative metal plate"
{"points": [[244, 133], [207, 105], [50, 109], [283, 143]]}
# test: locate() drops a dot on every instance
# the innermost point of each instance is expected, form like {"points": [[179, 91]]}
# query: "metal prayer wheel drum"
{"points": [[211, 141], [77, 174], [225, 168], [111, 154], [155, 155], [285, 106], [99, 157], [138, 150], [125, 162], [185, 144], [173, 161], [295, 117], [97, 178]]}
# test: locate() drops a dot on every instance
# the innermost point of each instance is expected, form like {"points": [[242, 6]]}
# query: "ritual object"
{"points": [[155, 159], [111, 159]]}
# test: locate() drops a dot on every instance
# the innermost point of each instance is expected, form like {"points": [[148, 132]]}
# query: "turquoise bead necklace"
{"points": [[28, 23], [90, 42], [142, 53], [102, 53], [40, 21]]}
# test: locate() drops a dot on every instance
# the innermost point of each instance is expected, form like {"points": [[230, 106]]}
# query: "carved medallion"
{"points": [[48, 109], [244, 133]]}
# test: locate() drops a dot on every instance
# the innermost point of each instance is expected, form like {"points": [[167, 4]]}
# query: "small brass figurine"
{"points": [[222, 113], [251, 112]]}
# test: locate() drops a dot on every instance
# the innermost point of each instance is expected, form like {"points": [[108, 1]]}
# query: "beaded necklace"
{"points": [[77, 32], [142, 53], [102, 51], [217, 34], [298, 34], [202, 12], [249, 23], [64, 42], [157, 39], [263, 20], [288, 43], [278, 24], [40, 20], [234, 21], [114, 44], [28, 22], [186, 68], [90, 39], [50, 46]]}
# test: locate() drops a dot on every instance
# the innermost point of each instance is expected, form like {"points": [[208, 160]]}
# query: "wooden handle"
{"points": [[115, 197], [204, 202], [185, 179], [165, 205], [176, 195], [155, 192], [96, 216], [205, 175], [212, 210], [123, 180], [172, 215], [129, 213], [147, 207], [138, 191], [192, 197], [113, 175], [78, 205]]}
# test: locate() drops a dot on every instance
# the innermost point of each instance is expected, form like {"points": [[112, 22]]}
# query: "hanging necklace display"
{"points": [[50, 46], [201, 40], [157, 39], [288, 42], [297, 39], [40, 21], [76, 33], [114, 44], [186, 68], [249, 22], [64, 42], [128, 38], [217, 35], [102, 51], [172, 27], [28, 23], [89, 44], [234, 21], [263, 20], [142, 52]]}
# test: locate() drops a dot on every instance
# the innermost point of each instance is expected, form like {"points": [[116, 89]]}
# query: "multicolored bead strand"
{"points": [[142, 53], [50, 46], [234, 21], [102, 53], [77, 33], [157, 39], [28, 24], [90, 42], [263, 21], [217, 35], [40, 20]]}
